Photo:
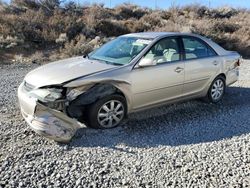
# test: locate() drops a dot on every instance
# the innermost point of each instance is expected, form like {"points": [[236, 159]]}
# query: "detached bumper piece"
{"points": [[46, 121], [52, 124]]}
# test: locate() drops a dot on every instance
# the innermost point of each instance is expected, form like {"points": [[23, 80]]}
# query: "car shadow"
{"points": [[186, 123]]}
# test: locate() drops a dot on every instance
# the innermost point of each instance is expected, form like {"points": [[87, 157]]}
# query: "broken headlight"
{"points": [[47, 94], [73, 93]]}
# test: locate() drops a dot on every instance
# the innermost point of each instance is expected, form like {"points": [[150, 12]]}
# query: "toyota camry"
{"points": [[130, 73]]}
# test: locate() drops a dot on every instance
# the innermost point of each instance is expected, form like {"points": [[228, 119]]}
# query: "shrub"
{"points": [[62, 38], [26, 4], [78, 46], [38, 57], [9, 41], [69, 29], [111, 28], [127, 11]]}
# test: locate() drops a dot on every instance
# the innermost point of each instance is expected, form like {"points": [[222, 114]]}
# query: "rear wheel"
{"points": [[107, 112], [216, 90]]}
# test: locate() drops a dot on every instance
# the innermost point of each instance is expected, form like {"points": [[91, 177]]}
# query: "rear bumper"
{"points": [[232, 76], [45, 121]]}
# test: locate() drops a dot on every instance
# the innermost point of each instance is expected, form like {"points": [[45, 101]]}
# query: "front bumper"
{"points": [[45, 121]]}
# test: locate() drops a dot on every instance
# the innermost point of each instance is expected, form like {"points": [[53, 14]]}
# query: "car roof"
{"points": [[154, 35], [150, 35]]}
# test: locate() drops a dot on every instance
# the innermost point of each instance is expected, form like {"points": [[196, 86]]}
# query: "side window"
{"points": [[166, 50], [195, 49]]}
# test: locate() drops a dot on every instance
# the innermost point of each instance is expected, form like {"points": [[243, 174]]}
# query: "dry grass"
{"points": [[58, 32]]}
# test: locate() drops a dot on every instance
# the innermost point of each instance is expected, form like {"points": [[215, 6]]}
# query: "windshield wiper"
{"points": [[110, 62], [105, 61], [113, 63]]}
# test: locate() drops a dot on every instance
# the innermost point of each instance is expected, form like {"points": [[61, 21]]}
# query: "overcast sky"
{"points": [[168, 3]]}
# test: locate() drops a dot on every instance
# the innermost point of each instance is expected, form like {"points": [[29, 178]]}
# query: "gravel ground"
{"points": [[192, 144]]}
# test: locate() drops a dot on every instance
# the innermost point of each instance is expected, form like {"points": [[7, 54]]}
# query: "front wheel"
{"points": [[107, 112], [216, 90]]}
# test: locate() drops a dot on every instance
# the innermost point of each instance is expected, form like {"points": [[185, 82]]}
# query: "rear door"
{"points": [[201, 64]]}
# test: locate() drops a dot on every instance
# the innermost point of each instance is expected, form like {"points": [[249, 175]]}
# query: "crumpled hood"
{"points": [[64, 70]]}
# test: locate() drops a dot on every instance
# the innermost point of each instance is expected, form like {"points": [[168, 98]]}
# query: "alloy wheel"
{"points": [[110, 114], [217, 90]]}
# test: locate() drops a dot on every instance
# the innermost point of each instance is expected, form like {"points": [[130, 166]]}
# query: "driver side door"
{"points": [[160, 82]]}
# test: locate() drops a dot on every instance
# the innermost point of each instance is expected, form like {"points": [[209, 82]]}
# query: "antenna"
{"points": [[155, 4]]}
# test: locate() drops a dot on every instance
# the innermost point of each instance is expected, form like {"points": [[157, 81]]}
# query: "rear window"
{"points": [[195, 49]]}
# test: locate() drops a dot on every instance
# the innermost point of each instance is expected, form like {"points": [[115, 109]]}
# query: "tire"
{"points": [[111, 108], [216, 90]]}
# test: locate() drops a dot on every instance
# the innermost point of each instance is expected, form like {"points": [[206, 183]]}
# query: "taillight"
{"points": [[237, 64]]}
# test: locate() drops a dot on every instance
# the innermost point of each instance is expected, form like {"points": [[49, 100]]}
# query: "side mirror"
{"points": [[145, 62]]}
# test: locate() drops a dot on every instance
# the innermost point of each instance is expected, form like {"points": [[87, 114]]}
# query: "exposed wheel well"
{"points": [[223, 75], [77, 107], [119, 92]]}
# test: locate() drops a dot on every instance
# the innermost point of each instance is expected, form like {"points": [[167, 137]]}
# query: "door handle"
{"points": [[215, 62], [178, 69]]}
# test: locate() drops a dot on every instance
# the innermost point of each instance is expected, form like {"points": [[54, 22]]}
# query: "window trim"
{"points": [[179, 43], [202, 42]]}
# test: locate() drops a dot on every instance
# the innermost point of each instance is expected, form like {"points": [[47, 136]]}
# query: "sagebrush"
{"points": [[50, 30]]}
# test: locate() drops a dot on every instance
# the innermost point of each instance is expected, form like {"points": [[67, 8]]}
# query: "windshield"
{"points": [[120, 51]]}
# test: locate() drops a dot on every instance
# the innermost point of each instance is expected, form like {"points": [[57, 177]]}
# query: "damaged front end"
{"points": [[57, 112], [44, 109]]}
